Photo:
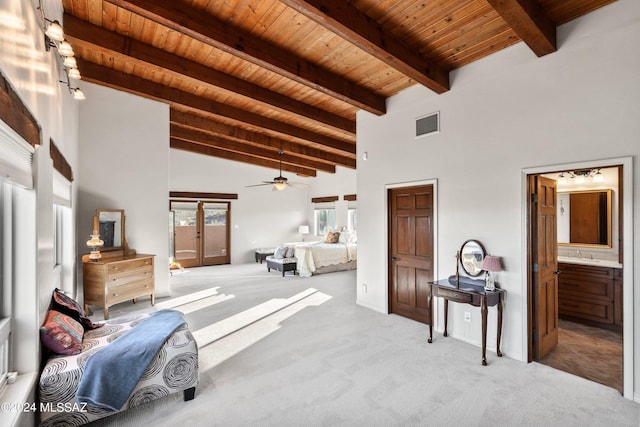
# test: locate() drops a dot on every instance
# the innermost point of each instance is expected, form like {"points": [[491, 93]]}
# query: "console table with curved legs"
{"points": [[472, 295]]}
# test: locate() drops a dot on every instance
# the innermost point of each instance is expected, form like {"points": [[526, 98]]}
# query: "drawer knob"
{"points": [[115, 295]]}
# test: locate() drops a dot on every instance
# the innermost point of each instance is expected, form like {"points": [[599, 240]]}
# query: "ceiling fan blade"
{"points": [[258, 185], [299, 185]]}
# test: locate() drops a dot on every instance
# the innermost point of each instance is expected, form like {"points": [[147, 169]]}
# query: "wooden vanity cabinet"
{"points": [[590, 294], [112, 280]]}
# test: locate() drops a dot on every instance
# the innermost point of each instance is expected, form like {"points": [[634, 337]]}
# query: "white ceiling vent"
{"points": [[426, 125]]}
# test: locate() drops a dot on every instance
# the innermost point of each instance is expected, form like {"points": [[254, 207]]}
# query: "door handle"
{"points": [[395, 258], [558, 272]]}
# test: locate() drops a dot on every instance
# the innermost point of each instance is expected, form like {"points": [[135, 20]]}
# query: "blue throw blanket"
{"points": [[112, 373]]}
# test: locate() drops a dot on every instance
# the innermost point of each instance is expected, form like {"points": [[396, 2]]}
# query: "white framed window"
{"points": [[324, 220], [352, 220]]}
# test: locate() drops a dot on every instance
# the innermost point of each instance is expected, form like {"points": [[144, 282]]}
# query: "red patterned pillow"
{"points": [[64, 304], [61, 334]]}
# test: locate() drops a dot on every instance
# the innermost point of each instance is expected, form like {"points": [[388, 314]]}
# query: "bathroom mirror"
{"points": [[472, 254], [111, 228], [584, 218]]}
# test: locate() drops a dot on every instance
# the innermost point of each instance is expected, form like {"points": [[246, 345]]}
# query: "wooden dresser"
{"points": [[115, 279]]}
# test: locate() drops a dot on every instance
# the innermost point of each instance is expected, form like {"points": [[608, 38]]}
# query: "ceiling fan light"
{"points": [[280, 185]]}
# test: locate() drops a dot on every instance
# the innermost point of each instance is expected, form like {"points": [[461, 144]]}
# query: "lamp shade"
{"points": [[491, 263], [303, 229]]}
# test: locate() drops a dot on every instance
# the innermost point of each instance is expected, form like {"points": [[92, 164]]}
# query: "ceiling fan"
{"points": [[279, 183]]}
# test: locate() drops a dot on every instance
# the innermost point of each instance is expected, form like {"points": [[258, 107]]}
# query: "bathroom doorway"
{"points": [[585, 309]]}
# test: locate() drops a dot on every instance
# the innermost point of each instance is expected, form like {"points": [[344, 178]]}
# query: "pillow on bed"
{"points": [[332, 237], [291, 252], [347, 237], [281, 252], [61, 334], [66, 305]]}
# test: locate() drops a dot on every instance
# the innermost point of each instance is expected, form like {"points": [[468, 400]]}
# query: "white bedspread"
{"points": [[314, 255]]}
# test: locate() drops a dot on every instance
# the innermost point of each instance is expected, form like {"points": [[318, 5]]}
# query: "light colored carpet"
{"points": [[298, 352]]}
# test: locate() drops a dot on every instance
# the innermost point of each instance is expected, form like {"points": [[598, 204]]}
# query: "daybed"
{"points": [[174, 367]]}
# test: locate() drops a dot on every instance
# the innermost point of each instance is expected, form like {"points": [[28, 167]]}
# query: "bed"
{"points": [[321, 257]]}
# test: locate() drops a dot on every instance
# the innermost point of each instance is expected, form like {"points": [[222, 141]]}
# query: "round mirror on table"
{"points": [[472, 254]]}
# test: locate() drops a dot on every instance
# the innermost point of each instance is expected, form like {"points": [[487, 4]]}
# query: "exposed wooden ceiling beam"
{"points": [[95, 73], [193, 135], [351, 24], [84, 34], [529, 21], [184, 119], [228, 155], [210, 30]]}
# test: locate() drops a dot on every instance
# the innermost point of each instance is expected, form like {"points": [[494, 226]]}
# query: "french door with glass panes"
{"points": [[199, 233]]}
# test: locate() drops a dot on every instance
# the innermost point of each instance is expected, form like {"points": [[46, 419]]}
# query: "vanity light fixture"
{"points": [[54, 38], [490, 264], [581, 176]]}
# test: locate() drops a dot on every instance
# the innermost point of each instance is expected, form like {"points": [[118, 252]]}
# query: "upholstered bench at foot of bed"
{"points": [[282, 264], [174, 369]]}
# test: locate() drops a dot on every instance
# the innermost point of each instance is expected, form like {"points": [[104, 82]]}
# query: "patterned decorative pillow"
{"points": [[66, 305], [61, 334], [281, 252], [332, 237]]}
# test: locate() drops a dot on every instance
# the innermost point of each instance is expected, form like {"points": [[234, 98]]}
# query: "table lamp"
{"points": [[303, 230], [490, 264]]}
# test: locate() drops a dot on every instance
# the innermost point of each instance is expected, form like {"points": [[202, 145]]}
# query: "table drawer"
{"points": [[453, 295]]}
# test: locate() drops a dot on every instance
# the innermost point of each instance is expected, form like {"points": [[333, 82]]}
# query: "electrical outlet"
{"points": [[467, 316], [364, 288]]}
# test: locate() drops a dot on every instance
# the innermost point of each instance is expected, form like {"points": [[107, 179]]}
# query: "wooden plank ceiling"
{"points": [[246, 78]]}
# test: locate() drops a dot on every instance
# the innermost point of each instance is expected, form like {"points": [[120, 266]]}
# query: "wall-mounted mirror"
{"points": [[111, 223], [472, 254], [584, 218]]}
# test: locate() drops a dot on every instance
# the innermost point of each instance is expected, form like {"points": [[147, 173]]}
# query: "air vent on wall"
{"points": [[427, 125]]}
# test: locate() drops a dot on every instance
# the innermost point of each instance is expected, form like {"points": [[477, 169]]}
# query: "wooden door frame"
{"points": [[626, 215], [387, 204]]}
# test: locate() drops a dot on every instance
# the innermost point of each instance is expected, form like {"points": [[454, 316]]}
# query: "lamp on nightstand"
{"points": [[303, 230], [489, 264]]}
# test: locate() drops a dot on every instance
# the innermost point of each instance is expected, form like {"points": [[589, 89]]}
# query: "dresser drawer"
{"points": [[129, 276], [129, 291], [119, 267], [453, 295]]}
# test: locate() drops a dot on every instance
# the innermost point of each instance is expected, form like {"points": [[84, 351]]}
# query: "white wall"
{"points": [[124, 152], [503, 114], [259, 217], [35, 73]]}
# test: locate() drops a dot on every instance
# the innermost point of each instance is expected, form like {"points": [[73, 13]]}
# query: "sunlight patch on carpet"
{"points": [[222, 340]]}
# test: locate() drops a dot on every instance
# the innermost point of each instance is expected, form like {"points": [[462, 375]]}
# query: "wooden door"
{"points": [[215, 233], [186, 233], [410, 251], [201, 233], [545, 266]]}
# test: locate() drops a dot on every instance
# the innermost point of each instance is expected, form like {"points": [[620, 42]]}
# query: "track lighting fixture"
{"points": [[54, 38]]}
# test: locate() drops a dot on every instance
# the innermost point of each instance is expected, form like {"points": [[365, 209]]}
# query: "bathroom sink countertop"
{"points": [[588, 261]]}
